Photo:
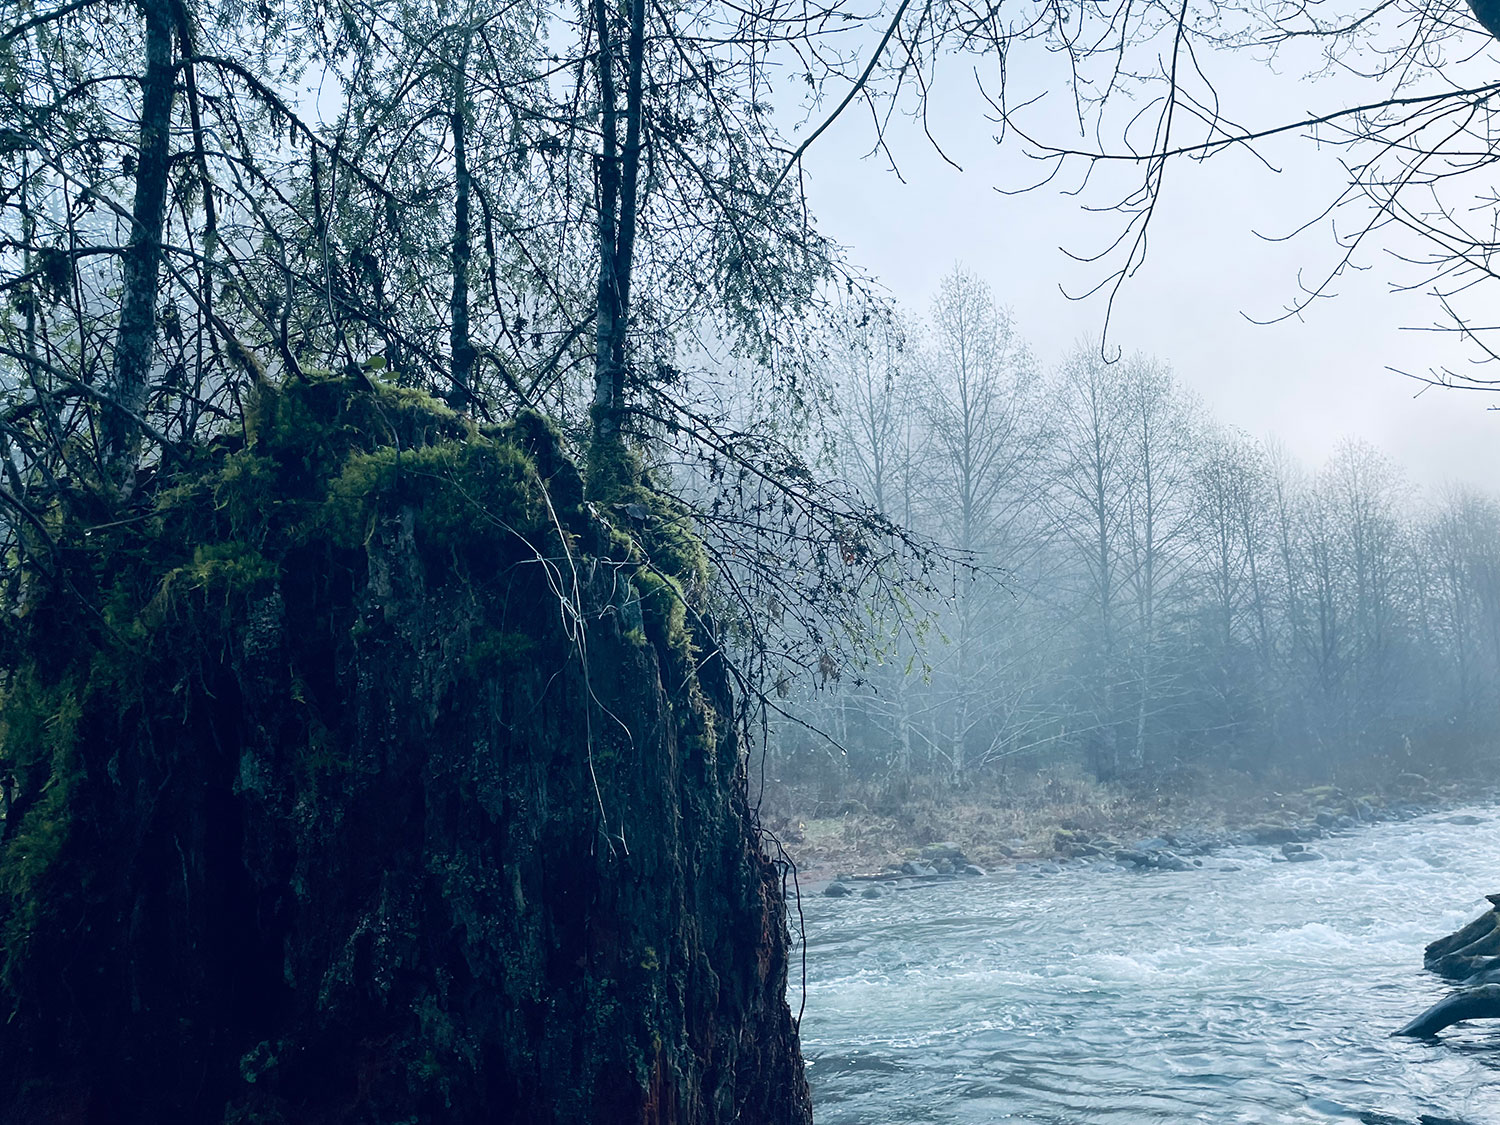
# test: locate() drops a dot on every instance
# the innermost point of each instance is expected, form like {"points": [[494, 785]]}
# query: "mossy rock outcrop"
{"points": [[365, 772]]}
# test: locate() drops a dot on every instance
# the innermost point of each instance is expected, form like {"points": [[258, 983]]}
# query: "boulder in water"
{"points": [[837, 890]]}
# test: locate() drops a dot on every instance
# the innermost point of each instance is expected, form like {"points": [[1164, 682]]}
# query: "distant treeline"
{"points": [[1137, 585]]}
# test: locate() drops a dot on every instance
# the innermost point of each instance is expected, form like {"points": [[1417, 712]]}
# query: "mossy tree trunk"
{"points": [[366, 786]]}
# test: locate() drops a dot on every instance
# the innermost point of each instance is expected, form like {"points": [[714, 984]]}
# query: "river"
{"points": [[1265, 994]]}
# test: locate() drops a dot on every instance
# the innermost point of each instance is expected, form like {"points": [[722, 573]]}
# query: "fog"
{"points": [[1313, 381]]}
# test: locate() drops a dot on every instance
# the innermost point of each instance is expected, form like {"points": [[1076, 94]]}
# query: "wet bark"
{"points": [[1482, 1003]]}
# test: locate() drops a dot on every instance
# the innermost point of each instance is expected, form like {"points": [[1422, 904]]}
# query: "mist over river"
{"points": [[1100, 994]]}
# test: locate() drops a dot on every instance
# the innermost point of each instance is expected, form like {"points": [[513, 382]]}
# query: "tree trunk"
{"points": [[135, 341], [461, 348], [619, 207], [1482, 1003]]}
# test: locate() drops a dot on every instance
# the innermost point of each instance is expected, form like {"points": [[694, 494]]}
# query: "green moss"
{"points": [[664, 611], [227, 567], [499, 652], [469, 499], [656, 532], [310, 426], [156, 605], [39, 749]]}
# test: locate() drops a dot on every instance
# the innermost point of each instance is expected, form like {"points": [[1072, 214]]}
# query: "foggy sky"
{"points": [[1310, 383]]}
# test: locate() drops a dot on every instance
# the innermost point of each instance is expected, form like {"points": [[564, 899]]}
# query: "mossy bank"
{"points": [[363, 771]]}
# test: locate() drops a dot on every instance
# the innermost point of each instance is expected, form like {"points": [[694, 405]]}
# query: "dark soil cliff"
{"points": [[364, 773]]}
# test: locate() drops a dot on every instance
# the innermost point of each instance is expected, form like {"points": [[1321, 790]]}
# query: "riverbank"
{"points": [[1058, 817]]}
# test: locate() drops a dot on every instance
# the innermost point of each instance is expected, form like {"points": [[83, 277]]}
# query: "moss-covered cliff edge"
{"points": [[363, 774]]}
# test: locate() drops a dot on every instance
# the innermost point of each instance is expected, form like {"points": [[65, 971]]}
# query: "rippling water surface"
{"points": [[1265, 994]]}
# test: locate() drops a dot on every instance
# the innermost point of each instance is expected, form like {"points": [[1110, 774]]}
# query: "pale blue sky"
{"points": [[1311, 383]]}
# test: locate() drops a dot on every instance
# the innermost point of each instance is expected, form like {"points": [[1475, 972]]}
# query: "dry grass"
{"points": [[1000, 820]]}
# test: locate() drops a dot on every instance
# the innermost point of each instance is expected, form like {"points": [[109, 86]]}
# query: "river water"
{"points": [[1100, 994]]}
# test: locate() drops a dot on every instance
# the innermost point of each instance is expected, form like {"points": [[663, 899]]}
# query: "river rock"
{"points": [[1303, 856], [1464, 818], [971, 869], [932, 853], [872, 892], [1344, 823], [1161, 860], [837, 890], [1201, 843], [1270, 834]]}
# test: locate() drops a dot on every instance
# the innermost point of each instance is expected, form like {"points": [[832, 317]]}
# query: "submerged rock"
{"points": [[837, 890]]}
